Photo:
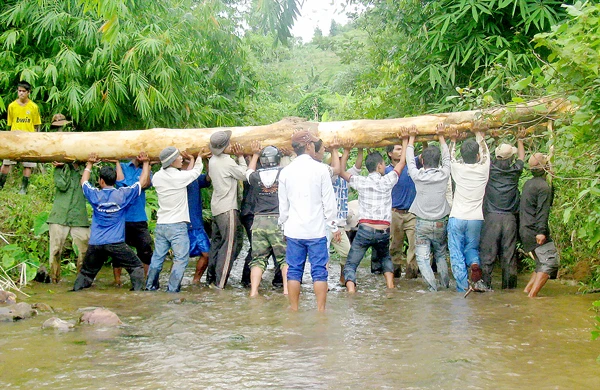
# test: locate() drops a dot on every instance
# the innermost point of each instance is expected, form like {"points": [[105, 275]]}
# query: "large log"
{"points": [[44, 147]]}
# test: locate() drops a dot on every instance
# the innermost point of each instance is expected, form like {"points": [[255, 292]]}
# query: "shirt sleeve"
{"points": [[390, 179], [284, 204], [329, 203], [90, 193], [62, 178], [35, 116], [131, 193], [238, 171], [445, 159], [184, 178], [354, 171], [411, 162], [484, 151]]}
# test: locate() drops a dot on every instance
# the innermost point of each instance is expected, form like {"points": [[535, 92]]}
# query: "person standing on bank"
{"points": [[307, 208], [536, 201], [107, 236], [23, 115], [173, 216], [227, 230], [500, 208]]}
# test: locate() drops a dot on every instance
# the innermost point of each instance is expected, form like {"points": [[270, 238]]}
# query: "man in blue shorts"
{"points": [[199, 242], [107, 236], [307, 208]]}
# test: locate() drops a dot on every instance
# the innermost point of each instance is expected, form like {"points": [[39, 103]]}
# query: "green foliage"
{"points": [[573, 72], [173, 63]]}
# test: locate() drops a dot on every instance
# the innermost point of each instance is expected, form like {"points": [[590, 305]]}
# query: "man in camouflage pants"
{"points": [[267, 237]]}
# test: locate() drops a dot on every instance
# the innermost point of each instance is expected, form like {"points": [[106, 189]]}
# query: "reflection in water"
{"points": [[405, 338]]}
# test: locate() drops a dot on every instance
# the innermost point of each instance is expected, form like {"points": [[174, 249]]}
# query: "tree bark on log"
{"points": [[46, 147]]}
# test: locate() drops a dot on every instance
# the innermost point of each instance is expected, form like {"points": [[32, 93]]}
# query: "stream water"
{"points": [[400, 339]]}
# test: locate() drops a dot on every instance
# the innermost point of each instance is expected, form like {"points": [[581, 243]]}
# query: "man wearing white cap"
{"points": [[500, 208], [227, 231], [172, 217]]}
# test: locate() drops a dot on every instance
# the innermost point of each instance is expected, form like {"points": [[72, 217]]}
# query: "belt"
{"points": [[370, 229], [399, 211]]}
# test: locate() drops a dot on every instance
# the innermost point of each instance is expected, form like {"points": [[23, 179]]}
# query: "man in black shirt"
{"points": [[267, 237], [534, 231], [500, 208]]}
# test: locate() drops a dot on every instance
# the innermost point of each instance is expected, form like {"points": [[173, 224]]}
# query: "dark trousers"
{"points": [[137, 235], [499, 239], [367, 237], [226, 244], [122, 256], [247, 222]]}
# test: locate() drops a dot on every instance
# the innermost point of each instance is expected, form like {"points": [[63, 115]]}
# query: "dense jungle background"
{"points": [[125, 64]]}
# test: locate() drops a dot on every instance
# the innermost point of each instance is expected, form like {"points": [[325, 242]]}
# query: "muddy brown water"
{"points": [[400, 339]]}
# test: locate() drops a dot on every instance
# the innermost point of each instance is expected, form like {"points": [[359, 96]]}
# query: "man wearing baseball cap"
{"points": [[500, 208], [173, 215], [536, 201], [307, 207], [227, 231]]}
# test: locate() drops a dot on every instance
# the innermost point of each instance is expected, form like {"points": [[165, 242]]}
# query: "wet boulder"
{"points": [[57, 323], [42, 307], [18, 311], [7, 297], [5, 315], [100, 316]]}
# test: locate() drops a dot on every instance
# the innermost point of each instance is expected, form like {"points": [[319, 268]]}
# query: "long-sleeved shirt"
{"points": [[224, 174], [470, 180], [306, 199], [431, 184], [170, 184], [69, 203], [375, 196], [536, 200]]}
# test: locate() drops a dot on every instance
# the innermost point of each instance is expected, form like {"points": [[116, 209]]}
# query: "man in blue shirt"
{"points": [[108, 224], [199, 242], [403, 222], [137, 234]]}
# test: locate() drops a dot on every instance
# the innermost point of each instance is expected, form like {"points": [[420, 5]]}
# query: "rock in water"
{"points": [[8, 297], [57, 323], [42, 275], [22, 310], [101, 316]]}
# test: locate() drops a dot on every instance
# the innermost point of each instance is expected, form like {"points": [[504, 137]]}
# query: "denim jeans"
{"points": [[463, 242], [169, 236], [430, 234], [378, 240]]}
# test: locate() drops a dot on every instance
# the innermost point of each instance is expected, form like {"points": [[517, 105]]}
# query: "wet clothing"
{"points": [[502, 190], [463, 245], [403, 225], [536, 201], [138, 236], [432, 234], [23, 118], [109, 204], [199, 242], [298, 249], [499, 240], [122, 257], [547, 259], [226, 244], [58, 236], [379, 242], [267, 240]]}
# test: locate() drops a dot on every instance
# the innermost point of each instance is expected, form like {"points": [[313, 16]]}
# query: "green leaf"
{"points": [[522, 84], [39, 223], [567, 214], [8, 261]]}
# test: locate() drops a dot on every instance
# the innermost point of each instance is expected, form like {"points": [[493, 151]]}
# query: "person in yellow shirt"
{"points": [[23, 115]]}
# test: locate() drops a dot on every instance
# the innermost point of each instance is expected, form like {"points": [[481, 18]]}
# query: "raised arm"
{"points": [[145, 175], [484, 151], [92, 159], [254, 160], [119, 169], [520, 147]]}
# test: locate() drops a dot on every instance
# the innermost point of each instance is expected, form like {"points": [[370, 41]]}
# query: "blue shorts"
{"points": [[318, 255], [199, 242]]}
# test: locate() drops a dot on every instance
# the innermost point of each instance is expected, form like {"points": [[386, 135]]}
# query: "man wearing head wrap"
{"points": [[536, 201], [173, 216], [500, 208]]}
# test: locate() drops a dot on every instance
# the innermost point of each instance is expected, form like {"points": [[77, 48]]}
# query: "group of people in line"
{"points": [[294, 209]]}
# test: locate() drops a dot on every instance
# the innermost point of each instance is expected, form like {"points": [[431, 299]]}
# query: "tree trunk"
{"points": [[45, 147]]}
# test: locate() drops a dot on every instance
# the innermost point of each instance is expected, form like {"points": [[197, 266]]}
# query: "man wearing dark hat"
{"points": [[500, 208], [173, 216], [536, 201], [227, 230], [307, 207]]}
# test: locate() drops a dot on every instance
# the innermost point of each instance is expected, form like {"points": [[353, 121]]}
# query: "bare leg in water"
{"points": [[537, 281], [201, 266]]}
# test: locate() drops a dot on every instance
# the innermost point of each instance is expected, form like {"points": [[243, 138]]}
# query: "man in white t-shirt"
{"points": [[466, 217]]}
